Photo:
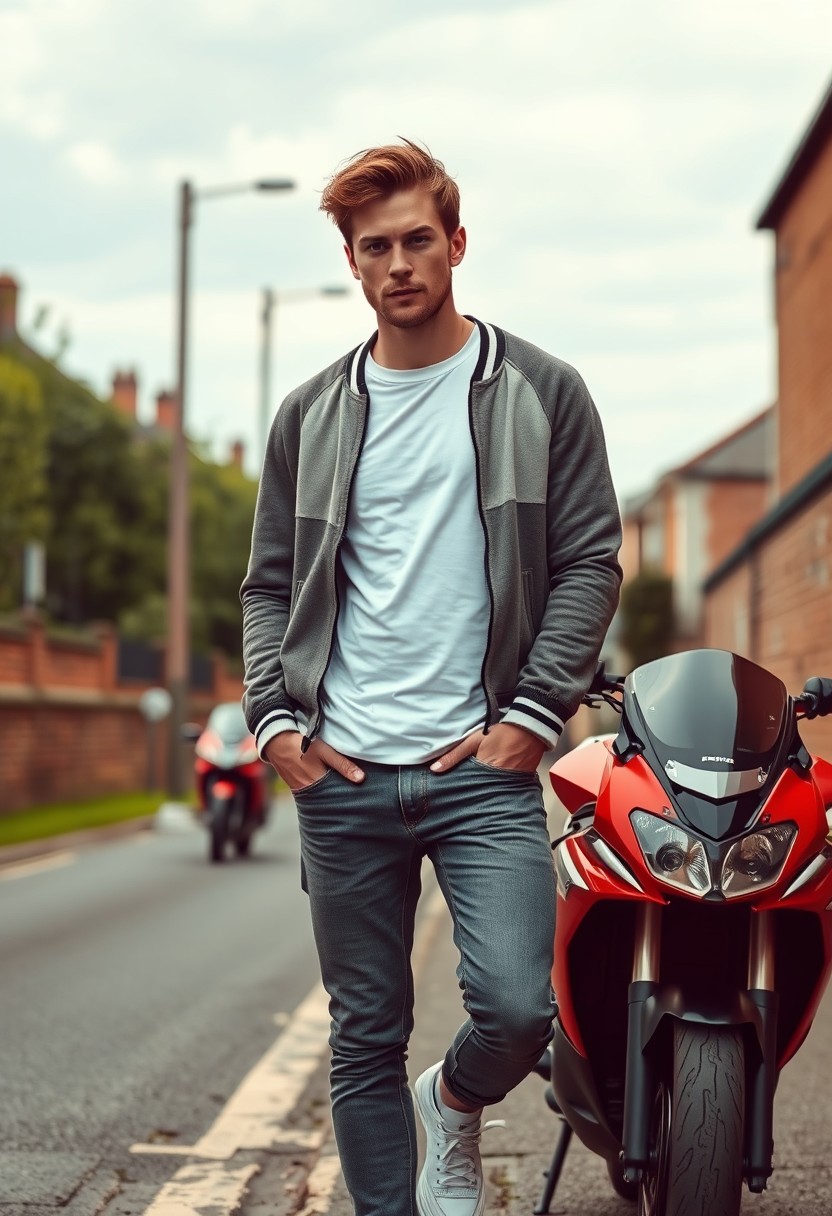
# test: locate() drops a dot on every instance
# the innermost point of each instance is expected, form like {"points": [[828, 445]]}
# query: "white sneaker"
{"points": [[451, 1181]]}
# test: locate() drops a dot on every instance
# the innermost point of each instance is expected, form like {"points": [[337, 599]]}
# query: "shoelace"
{"points": [[458, 1165]]}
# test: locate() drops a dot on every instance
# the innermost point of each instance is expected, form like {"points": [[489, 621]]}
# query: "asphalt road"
{"points": [[139, 986]]}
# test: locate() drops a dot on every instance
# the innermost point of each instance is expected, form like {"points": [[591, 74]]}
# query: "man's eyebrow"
{"points": [[382, 237]]}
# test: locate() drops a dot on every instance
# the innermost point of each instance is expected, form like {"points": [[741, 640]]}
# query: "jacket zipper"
{"points": [[481, 510], [307, 739]]}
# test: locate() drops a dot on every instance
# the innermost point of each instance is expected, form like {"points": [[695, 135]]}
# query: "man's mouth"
{"points": [[402, 291]]}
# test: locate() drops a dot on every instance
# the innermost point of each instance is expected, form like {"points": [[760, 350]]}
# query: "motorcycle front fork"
{"points": [[640, 1086]]}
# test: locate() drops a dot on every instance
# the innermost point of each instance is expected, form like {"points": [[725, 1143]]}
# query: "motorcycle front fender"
{"points": [[651, 1005], [708, 1009]]}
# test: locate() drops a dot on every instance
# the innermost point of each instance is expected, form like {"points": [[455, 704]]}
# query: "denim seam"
{"points": [[408, 825], [462, 959], [407, 985]]}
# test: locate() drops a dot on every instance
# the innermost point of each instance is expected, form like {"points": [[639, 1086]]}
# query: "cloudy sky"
{"points": [[612, 159]]}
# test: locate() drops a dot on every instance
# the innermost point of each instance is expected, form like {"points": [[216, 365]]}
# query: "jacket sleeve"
{"points": [[583, 529], [267, 587]]}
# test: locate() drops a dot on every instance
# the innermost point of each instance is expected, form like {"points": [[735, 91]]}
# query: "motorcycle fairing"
{"points": [[794, 796], [580, 774]]}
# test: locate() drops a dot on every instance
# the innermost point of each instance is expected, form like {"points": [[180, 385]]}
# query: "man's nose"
{"points": [[400, 261]]}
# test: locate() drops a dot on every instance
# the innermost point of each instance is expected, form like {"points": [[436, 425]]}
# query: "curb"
{"points": [[29, 849]]}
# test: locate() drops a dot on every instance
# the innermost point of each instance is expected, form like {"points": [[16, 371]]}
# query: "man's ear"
{"points": [[351, 260], [459, 243]]}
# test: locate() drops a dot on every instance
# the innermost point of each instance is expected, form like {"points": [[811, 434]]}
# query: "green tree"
{"points": [[222, 513], [647, 621], [106, 492], [24, 515], [102, 486], [222, 504]]}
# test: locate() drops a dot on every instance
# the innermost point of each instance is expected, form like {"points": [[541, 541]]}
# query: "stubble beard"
{"points": [[427, 309]]}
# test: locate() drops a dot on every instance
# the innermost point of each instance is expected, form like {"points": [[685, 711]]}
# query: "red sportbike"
{"points": [[694, 930], [232, 781]]}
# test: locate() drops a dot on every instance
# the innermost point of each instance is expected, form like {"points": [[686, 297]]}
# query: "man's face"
{"points": [[403, 257]]}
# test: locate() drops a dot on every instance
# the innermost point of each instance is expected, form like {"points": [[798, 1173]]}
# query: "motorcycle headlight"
{"points": [[672, 855], [757, 860]]}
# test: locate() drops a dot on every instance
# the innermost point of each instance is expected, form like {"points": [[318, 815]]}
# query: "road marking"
{"points": [[320, 1186], [22, 869], [255, 1115], [203, 1187]]}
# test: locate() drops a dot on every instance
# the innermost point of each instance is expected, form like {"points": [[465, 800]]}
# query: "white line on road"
{"points": [[203, 1187], [320, 1185], [22, 869], [255, 1115]]}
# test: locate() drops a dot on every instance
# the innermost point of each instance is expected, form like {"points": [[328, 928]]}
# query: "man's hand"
{"points": [[505, 746], [284, 755]]}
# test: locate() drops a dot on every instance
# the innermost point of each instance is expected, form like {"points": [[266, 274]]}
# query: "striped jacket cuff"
{"points": [[271, 724], [538, 719]]}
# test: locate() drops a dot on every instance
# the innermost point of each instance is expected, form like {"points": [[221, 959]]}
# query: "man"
{"points": [[433, 571]]}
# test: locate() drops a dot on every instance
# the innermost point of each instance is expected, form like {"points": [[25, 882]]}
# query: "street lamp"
{"points": [[178, 647], [269, 304]]}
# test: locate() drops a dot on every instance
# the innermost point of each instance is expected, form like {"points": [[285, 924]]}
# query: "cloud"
{"points": [[611, 159]]}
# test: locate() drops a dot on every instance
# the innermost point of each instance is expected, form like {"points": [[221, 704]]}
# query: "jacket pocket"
{"points": [[296, 590], [528, 590]]}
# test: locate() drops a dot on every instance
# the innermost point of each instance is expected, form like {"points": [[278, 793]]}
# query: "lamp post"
{"points": [[270, 300], [178, 648]]}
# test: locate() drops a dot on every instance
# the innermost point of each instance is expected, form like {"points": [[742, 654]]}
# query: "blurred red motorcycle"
{"points": [[694, 928], [232, 782]]}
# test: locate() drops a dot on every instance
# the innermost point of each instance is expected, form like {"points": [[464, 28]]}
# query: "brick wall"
{"points": [[779, 602], [803, 288], [69, 729], [732, 509]]}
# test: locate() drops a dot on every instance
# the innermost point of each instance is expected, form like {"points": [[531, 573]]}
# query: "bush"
{"points": [[647, 622]]}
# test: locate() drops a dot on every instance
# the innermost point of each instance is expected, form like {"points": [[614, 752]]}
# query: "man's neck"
{"points": [[438, 339]]}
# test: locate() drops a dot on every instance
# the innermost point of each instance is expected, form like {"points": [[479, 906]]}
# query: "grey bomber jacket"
{"points": [[548, 510]]}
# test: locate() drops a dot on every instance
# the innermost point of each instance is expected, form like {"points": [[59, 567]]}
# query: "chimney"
{"points": [[238, 451], [8, 307], [166, 410], [124, 393]]}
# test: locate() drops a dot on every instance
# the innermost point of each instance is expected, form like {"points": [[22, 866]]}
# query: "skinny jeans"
{"points": [[484, 830]]}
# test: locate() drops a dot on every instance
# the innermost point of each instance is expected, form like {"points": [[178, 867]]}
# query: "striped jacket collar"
{"points": [[492, 354]]}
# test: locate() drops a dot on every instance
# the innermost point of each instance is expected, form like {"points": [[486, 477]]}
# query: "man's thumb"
{"points": [[466, 748]]}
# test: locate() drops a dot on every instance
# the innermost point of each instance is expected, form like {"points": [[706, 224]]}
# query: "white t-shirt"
{"points": [[404, 680]]}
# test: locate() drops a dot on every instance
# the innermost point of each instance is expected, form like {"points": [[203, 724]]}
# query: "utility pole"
{"points": [[178, 652]]}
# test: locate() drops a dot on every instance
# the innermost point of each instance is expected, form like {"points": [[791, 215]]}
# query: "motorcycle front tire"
{"points": [[242, 842], [699, 1156], [219, 816]]}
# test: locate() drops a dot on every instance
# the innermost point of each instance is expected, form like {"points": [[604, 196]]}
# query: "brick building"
{"points": [[771, 598], [697, 513]]}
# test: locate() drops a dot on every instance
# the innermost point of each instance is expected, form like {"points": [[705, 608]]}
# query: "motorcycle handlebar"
{"points": [[815, 701]]}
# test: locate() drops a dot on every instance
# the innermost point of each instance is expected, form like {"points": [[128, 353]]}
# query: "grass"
{"points": [[42, 821]]}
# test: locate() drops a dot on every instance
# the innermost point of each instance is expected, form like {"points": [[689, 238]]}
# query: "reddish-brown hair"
{"points": [[379, 172]]}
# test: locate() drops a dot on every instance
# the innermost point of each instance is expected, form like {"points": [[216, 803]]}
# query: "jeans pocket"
{"points": [[519, 774], [313, 785]]}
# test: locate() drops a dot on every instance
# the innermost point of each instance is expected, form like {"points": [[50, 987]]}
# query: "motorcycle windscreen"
{"points": [[714, 720]]}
